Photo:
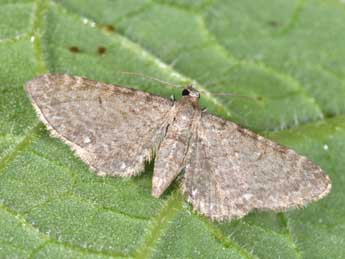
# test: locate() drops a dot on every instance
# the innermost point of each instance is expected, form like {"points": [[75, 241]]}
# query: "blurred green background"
{"points": [[288, 55]]}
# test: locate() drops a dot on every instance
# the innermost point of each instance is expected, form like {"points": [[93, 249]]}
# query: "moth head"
{"points": [[191, 92]]}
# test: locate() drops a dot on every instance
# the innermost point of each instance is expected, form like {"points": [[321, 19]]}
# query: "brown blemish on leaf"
{"points": [[273, 23], [101, 50], [109, 28], [259, 98], [74, 49]]}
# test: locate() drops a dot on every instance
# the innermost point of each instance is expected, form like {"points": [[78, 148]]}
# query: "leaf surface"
{"points": [[287, 55]]}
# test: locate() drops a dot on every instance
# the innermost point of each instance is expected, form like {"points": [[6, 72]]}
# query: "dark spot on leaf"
{"points": [[259, 98], [74, 49], [101, 50], [273, 23], [109, 28]]}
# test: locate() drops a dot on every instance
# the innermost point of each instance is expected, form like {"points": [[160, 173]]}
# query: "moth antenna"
{"points": [[235, 95], [151, 78]]}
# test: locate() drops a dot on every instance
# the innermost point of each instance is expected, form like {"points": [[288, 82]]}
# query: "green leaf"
{"points": [[288, 55]]}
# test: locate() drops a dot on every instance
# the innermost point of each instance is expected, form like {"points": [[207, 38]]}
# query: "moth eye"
{"points": [[185, 92]]}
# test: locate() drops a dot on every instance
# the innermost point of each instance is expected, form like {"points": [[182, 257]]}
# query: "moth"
{"points": [[228, 170]]}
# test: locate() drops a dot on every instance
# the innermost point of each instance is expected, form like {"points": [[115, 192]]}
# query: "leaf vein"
{"points": [[21, 145], [296, 14], [261, 66], [226, 241], [289, 236], [159, 225], [46, 238], [71, 194], [37, 32], [18, 37], [147, 55], [286, 237]]}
